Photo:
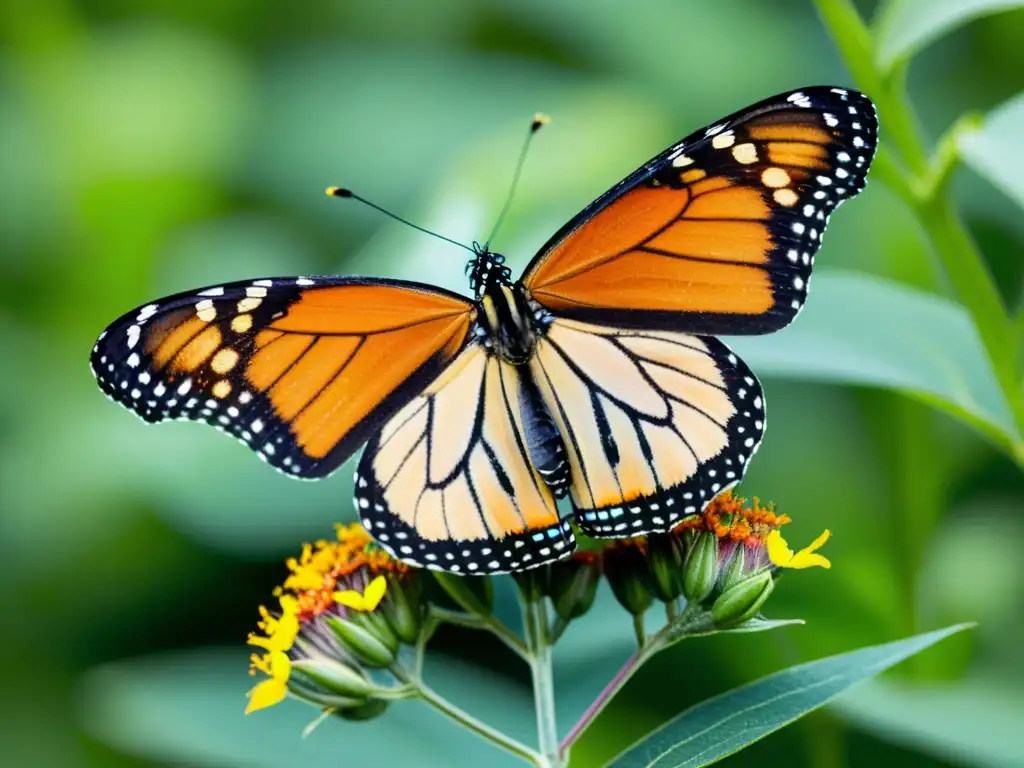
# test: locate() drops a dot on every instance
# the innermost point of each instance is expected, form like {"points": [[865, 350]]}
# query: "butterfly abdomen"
{"points": [[543, 443]]}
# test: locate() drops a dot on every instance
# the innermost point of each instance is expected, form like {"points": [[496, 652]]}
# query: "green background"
{"points": [[152, 147]]}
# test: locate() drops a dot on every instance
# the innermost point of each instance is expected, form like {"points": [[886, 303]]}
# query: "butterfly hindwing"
{"points": [[301, 370], [448, 482], [656, 423], [716, 235]]}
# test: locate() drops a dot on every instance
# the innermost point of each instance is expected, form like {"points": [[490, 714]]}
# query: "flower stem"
{"points": [[489, 623], [538, 641], [478, 727], [616, 684]]}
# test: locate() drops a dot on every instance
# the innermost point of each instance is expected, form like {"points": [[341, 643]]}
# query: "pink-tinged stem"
{"points": [[614, 686]]}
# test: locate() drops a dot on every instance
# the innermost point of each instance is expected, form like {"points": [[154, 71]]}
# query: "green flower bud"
{"points": [[665, 557], [735, 571], [364, 644], [375, 623], [309, 690], [368, 710], [334, 676], [473, 594], [573, 584], [625, 567], [701, 569], [403, 607], [742, 601]]}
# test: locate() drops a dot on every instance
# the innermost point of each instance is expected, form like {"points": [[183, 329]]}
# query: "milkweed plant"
{"points": [[350, 627]]}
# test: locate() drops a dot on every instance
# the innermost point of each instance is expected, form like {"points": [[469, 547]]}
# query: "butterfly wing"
{"points": [[716, 235], [656, 423], [301, 370], [448, 484]]}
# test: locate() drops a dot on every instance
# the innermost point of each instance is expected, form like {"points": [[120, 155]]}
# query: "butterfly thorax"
{"points": [[506, 325]]}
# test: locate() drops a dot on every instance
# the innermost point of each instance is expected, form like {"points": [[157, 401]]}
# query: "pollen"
{"points": [[316, 572], [728, 516]]}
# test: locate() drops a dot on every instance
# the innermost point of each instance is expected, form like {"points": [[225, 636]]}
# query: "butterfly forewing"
{"points": [[716, 235], [301, 370]]}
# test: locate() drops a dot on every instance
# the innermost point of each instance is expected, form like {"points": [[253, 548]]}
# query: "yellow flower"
{"points": [[273, 690], [367, 600], [781, 555], [280, 631]]}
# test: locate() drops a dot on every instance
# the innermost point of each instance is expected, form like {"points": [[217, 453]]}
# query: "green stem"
{"points": [[463, 718], [639, 631], [927, 195], [538, 641], [489, 623]]}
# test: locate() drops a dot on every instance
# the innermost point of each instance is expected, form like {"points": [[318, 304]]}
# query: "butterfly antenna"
{"points": [[348, 193], [539, 120]]}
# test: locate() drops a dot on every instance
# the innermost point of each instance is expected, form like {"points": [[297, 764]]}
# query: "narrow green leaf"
{"points": [[906, 26], [975, 722], [995, 150], [858, 329], [725, 724]]}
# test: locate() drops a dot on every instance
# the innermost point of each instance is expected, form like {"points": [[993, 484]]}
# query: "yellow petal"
{"points": [[365, 601], [781, 555], [270, 692], [266, 694], [375, 592], [350, 599], [778, 551]]}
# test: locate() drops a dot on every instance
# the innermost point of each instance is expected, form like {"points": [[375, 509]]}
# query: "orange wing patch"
{"points": [[718, 234], [300, 371], [448, 483]]}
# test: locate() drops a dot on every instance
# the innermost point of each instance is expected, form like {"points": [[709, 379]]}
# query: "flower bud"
{"points": [[742, 601], [375, 623], [368, 710], [573, 584], [701, 569], [334, 676], [665, 558], [625, 567], [735, 569], [403, 607], [473, 594], [366, 645], [309, 690]]}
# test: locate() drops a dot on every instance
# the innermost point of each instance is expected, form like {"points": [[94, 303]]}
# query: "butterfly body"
{"points": [[597, 375]]}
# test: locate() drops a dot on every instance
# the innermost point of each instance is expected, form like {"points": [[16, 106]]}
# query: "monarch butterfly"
{"points": [[597, 374]]}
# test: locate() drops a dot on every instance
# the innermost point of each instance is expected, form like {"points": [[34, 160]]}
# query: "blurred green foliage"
{"points": [[151, 147]]}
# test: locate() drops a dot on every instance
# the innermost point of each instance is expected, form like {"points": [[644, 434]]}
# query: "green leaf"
{"points": [[995, 150], [974, 722], [725, 724], [905, 26], [187, 708], [858, 329]]}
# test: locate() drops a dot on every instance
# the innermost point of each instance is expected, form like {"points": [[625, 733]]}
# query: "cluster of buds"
{"points": [[345, 610], [723, 561]]}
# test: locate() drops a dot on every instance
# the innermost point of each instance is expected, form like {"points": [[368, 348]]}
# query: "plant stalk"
{"points": [[539, 650]]}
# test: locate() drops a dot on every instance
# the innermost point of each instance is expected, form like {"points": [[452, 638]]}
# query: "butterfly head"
{"points": [[487, 270]]}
